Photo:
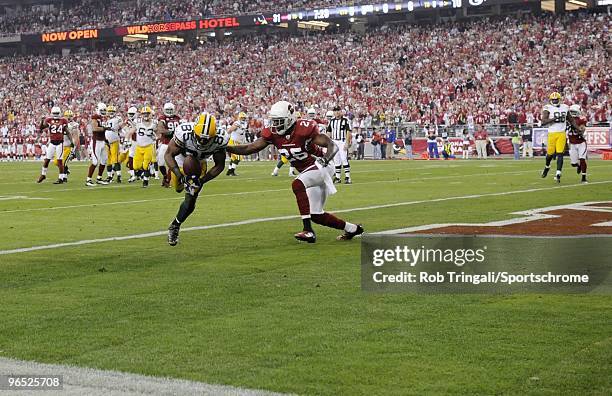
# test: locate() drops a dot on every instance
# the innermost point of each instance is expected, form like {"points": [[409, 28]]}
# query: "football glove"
{"points": [[323, 161]]}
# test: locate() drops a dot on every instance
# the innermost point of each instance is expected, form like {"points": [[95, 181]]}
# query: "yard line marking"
{"points": [[404, 181], [136, 201], [290, 217], [88, 381], [13, 197]]}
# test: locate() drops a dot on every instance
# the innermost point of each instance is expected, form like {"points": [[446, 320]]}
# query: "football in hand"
{"points": [[192, 167]]}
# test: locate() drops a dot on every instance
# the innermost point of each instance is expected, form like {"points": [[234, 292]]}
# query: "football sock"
{"points": [[279, 164], [186, 208], [350, 227], [100, 170], [176, 223], [302, 198], [90, 171], [329, 220], [347, 171], [549, 159], [275, 171], [44, 171], [307, 224], [559, 162]]}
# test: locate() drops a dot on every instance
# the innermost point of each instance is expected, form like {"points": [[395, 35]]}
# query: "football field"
{"points": [[88, 279]]}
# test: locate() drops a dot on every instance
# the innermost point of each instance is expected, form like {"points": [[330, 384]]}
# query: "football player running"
{"points": [[299, 141], [555, 116], [200, 139], [576, 125], [145, 141], [113, 126], [97, 149], [58, 127], [167, 124], [237, 131]]}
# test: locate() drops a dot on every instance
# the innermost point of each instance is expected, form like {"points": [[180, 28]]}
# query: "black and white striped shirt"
{"points": [[338, 128]]}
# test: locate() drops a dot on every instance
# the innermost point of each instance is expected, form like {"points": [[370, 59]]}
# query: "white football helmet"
{"points": [[169, 109], [282, 117], [132, 111], [56, 112], [329, 115], [575, 110], [101, 109], [311, 113]]}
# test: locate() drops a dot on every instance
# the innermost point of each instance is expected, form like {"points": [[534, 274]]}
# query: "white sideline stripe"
{"points": [[137, 201], [280, 218], [79, 381]]}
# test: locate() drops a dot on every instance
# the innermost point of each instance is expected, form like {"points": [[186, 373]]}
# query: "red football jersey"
{"points": [[297, 147], [575, 136], [57, 127], [171, 123], [99, 135]]}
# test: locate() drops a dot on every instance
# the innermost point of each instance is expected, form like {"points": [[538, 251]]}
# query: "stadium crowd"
{"points": [[91, 13], [482, 72]]}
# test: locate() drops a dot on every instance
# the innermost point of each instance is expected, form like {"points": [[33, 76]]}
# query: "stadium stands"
{"points": [[482, 72], [88, 13]]}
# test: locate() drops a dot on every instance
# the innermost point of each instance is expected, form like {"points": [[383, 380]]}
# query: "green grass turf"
{"points": [[250, 307]]}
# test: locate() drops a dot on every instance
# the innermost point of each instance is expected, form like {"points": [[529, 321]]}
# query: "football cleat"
{"points": [[558, 178], [274, 174], [58, 181], [119, 179], [347, 236], [306, 236], [337, 181], [545, 172], [41, 178], [584, 180], [173, 234], [132, 179], [348, 181], [102, 182], [145, 183], [230, 172], [157, 178], [90, 183], [109, 180]]}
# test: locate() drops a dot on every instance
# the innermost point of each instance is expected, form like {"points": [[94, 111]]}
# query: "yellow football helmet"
{"points": [[205, 128], [242, 116], [68, 114], [111, 110], [555, 98], [146, 112]]}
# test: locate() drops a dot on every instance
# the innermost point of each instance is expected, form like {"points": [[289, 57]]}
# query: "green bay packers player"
{"points": [[200, 139], [237, 131], [554, 117], [113, 126], [129, 141], [145, 139]]}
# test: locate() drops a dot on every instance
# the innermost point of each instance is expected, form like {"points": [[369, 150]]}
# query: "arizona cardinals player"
{"points": [[293, 138], [168, 122], [57, 126], [97, 150], [576, 124]]}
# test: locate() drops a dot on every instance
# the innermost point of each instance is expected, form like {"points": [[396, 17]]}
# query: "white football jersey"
{"points": [[73, 128], [185, 138], [145, 133], [112, 133], [560, 114], [238, 133]]}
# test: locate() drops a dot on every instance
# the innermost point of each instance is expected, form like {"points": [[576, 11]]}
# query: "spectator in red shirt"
{"points": [[481, 137]]}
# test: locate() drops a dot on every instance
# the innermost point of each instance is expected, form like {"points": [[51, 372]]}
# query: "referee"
{"points": [[339, 130]]}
